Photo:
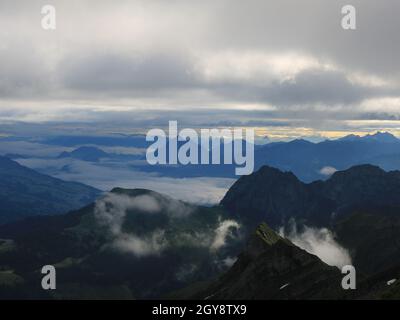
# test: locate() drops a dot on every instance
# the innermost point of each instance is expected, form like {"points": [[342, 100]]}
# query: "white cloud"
{"points": [[321, 243], [112, 208], [327, 171], [229, 261], [151, 244], [111, 211], [222, 233]]}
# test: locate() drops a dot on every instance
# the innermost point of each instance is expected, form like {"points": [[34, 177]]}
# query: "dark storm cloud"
{"points": [[125, 75], [313, 26], [121, 73], [307, 88], [22, 73]]}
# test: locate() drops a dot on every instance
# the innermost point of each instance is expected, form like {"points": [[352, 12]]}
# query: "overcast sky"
{"points": [[285, 67]]}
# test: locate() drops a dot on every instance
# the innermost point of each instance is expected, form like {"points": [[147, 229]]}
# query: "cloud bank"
{"points": [[107, 175], [141, 61]]}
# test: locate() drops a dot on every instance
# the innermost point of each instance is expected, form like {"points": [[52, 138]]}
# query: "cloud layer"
{"points": [[277, 62], [107, 175]]}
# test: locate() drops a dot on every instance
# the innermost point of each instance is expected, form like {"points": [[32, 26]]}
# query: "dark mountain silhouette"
{"points": [[271, 267], [275, 197], [25, 192], [372, 236]]}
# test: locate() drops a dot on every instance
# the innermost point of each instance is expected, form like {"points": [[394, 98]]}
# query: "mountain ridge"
{"points": [[25, 192], [275, 196], [271, 267]]}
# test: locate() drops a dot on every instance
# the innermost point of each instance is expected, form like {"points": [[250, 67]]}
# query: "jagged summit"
{"points": [[268, 170], [271, 267], [378, 136], [363, 169], [268, 235], [382, 137]]}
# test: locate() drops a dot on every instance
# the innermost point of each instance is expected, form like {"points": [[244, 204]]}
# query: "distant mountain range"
{"points": [[25, 192], [307, 160]]}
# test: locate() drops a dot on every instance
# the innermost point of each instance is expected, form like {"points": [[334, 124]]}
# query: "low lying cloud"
{"points": [[327, 171], [321, 243], [152, 244], [229, 261], [223, 231], [107, 175], [112, 209]]}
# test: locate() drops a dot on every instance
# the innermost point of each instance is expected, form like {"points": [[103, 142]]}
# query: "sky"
{"points": [[286, 68]]}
